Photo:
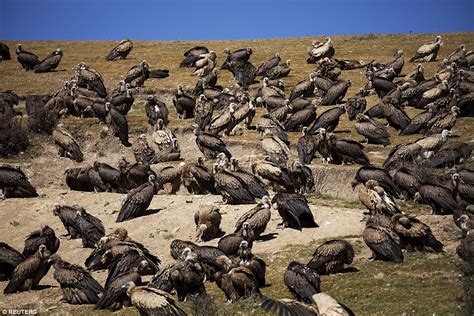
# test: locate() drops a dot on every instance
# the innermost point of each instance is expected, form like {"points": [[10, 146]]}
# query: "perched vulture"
{"points": [[231, 187], [208, 220], [28, 273], [27, 60], [117, 124], [275, 148], [67, 145], [225, 121], [329, 306], [336, 93], [151, 301], [9, 259], [138, 200], [302, 177], [184, 104], [77, 284], [237, 283], [255, 264], [407, 182], [330, 257], [169, 177], [348, 64], [465, 250], [187, 276], [302, 281], [192, 55], [91, 79], [80, 224], [279, 71], [51, 62], [110, 178], [442, 122], [197, 178], [356, 105], [14, 183], [133, 175], [307, 147], [120, 51], [254, 184], [45, 236], [419, 122], [240, 55], [156, 110], [230, 244], [383, 242], [328, 120], [373, 131], [278, 177], [244, 73], [303, 88], [382, 177], [210, 145], [4, 52], [77, 179], [267, 65], [294, 210], [350, 151], [137, 75], [415, 235], [428, 52], [321, 50], [257, 218], [302, 118]]}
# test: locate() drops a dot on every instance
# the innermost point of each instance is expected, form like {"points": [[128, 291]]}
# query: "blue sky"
{"points": [[226, 19]]}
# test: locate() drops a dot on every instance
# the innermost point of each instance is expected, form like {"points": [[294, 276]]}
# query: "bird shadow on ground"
{"points": [[44, 287], [149, 212], [342, 131], [267, 237], [349, 270]]}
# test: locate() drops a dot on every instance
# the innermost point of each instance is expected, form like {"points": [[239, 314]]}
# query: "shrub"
{"points": [[13, 137], [42, 121]]}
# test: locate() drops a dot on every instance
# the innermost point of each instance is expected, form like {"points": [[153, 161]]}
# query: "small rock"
{"points": [[189, 201], [151, 235], [380, 275], [14, 223], [176, 230], [106, 203]]}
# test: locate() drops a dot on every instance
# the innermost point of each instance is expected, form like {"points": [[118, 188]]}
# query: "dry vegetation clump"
{"points": [[42, 121], [13, 137]]}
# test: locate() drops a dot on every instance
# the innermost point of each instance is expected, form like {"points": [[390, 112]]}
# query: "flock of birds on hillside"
{"points": [[409, 172]]}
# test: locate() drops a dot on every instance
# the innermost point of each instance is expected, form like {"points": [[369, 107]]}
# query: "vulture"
{"points": [[28, 273], [327, 148], [138, 200], [395, 117], [275, 148], [192, 55], [397, 62], [109, 177], [197, 178], [187, 276], [328, 120], [415, 235], [382, 202], [120, 51], [169, 177], [166, 142], [450, 156], [27, 60], [78, 179], [9, 259], [255, 264], [464, 192], [244, 73], [307, 147], [161, 280], [407, 182], [210, 145], [231, 187], [287, 306], [137, 75], [151, 301], [428, 52], [255, 186], [382, 86], [280, 113], [208, 220], [123, 100], [373, 131], [80, 224], [225, 121], [280, 71], [382, 177], [278, 177], [156, 110], [400, 154], [230, 244], [330, 257], [115, 294], [329, 306], [205, 64], [240, 55], [91, 79], [302, 177], [465, 250], [267, 65], [67, 145], [184, 104], [143, 152], [294, 210], [349, 64], [4, 52], [133, 175], [442, 122], [349, 151], [237, 282], [51, 62], [302, 281], [356, 105], [383, 242], [419, 122], [208, 81], [117, 124], [45, 236], [203, 112], [321, 50], [303, 88], [77, 284], [302, 117], [257, 218], [430, 145], [336, 93], [14, 183]]}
